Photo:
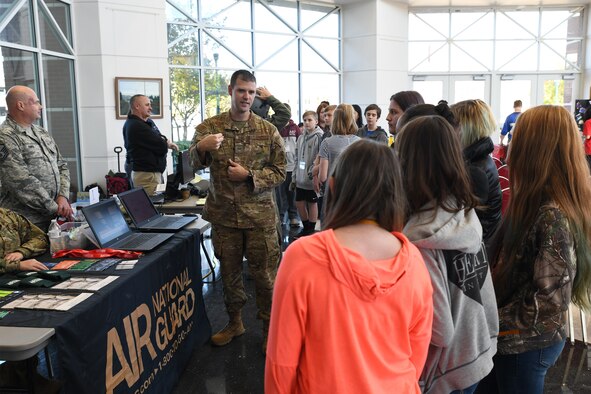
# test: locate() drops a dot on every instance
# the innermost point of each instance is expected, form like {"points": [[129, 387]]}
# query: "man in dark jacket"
{"points": [[146, 147]]}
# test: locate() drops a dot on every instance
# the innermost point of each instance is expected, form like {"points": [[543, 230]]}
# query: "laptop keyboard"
{"points": [[162, 220], [136, 241]]}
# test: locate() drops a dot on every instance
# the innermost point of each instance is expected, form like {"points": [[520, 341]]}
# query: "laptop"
{"points": [[144, 215], [111, 230]]}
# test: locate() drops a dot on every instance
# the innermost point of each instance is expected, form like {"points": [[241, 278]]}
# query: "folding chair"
{"points": [[503, 171], [498, 162], [22, 343]]}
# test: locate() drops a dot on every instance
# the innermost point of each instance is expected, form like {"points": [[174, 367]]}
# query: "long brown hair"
{"points": [[547, 164], [433, 167], [407, 98], [441, 109], [367, 184], [320, 110]]}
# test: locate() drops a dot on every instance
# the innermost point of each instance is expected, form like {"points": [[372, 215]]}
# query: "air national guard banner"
{"points": [[139, 337]]}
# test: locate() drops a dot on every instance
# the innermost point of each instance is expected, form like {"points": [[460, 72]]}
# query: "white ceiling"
{"points": [[491, 3], [477, 3]]}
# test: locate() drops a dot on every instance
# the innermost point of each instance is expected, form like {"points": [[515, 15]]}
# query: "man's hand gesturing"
{"points": [[210, 143]]}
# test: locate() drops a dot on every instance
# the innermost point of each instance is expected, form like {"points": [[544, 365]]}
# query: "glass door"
{"points": [[558, 90], [512, 88], [533, 90], [470, 87], [452, 88], [432, 89]]}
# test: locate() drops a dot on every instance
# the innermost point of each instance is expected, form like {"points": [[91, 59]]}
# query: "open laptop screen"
{"points": [[106, 220], [186, 170], [137, 200]]}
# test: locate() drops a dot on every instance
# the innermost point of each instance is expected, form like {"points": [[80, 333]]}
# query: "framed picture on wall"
{"points": [[126, 87]]}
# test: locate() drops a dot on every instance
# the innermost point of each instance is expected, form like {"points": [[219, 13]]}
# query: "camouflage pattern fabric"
{"points": [[258, 147], [262, 252], [32, 172], [244, 214], [17, 234], [534, 300], [281, 115]]}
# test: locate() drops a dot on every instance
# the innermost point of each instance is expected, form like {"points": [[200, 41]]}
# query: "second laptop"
{"points": [[145, 216]]}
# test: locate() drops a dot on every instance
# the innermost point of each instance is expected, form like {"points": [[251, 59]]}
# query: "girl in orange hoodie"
{"points": [[352, 305]]}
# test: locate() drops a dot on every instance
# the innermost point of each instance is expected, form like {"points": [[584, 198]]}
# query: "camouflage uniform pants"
{"points": [[259, 246]]}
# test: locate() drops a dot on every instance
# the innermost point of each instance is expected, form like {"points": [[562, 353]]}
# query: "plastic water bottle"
{"points": [[54, 229]]}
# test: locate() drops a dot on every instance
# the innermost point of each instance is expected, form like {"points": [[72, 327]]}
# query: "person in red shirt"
{"points": [[587, 134], [352, 305]]}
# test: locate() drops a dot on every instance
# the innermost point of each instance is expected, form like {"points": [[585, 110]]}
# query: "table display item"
{"points": [[70, 235]]}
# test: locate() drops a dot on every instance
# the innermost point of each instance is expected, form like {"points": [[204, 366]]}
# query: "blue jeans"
{"points": [[468, 390], [525, 372]]}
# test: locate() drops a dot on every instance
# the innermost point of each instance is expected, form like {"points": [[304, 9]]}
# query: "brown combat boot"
{"points": [[265, 335], [234, 328]]}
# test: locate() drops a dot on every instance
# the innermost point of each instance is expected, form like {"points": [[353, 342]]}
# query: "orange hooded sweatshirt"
{"points": [[342, 324]]}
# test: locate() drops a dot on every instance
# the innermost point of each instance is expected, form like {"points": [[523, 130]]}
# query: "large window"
{"points": [[36, 51], [292, 47], [528, 53]]}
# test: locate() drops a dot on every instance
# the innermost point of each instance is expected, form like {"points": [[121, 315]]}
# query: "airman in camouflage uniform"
{"points": [[19, 240], [246, 157], [35, 179]]}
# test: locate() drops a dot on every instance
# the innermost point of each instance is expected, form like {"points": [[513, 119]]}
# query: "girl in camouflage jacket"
{"points": [[543, 249]]}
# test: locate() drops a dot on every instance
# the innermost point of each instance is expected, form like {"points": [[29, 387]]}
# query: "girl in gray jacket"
{"points": [[442, 223]]}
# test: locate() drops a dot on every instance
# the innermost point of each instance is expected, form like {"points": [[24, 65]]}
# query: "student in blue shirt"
{"points": [[510, 121]]}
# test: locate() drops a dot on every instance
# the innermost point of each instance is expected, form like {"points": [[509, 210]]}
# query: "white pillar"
{"points": [[375, 53], [117, 38]]}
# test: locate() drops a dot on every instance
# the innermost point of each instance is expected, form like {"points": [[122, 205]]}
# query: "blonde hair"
{"points": [[310, 113], [343, 121], [476, 120], [328, 108]]}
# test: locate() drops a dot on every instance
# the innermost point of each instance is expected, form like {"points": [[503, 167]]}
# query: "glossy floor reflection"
{"points": [[572, 372], [239, 366]]}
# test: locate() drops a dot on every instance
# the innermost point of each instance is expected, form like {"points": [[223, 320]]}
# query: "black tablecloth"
{"points": [[138, 332]]}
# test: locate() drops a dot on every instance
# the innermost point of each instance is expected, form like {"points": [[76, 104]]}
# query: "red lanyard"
{"points": [[96, 253]]}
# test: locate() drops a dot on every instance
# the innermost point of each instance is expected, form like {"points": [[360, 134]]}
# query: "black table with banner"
{"points": [[137, 334]]}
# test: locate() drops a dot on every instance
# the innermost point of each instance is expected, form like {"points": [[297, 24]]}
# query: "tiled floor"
{"points": [[239, 366]]}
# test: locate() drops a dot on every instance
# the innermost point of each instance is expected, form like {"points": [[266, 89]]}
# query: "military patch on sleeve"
{"points": [[3, 153]]}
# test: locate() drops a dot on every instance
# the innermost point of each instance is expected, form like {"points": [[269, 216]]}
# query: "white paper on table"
{"points": [[93, 195]]}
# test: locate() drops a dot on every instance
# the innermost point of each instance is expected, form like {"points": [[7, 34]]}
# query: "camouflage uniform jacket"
{"points": [[533, 301], [17, 234], [257, 147], [32, 172], [281, 115]]}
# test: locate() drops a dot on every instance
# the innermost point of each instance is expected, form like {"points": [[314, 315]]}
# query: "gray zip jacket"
{"points": [[465, 319], [308, 145]]}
